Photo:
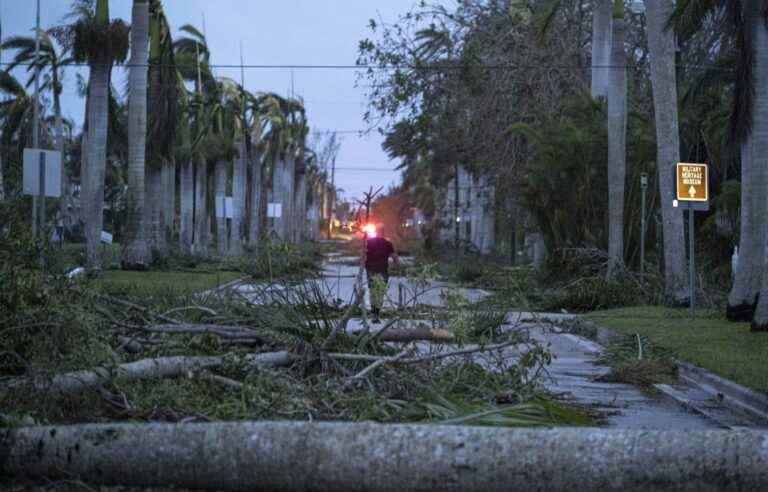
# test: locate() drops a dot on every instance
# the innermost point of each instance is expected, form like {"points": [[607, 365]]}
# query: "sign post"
{"points": [[692, 188]]}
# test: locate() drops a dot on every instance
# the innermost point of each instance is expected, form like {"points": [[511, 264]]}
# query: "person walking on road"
{"points": [[377, 254]]}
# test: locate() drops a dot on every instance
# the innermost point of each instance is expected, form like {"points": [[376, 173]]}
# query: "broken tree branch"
{"points": [[380, 362], [161, 367], [424, 358]]}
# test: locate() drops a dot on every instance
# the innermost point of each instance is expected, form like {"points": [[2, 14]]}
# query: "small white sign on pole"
{"points": [[274, 210], [106, 237], [224, 207], [52, 171]]}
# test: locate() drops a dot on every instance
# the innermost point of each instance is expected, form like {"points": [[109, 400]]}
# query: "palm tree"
{"points": [[602, 30], [163, 94], [661, 44], [53, 62], [755, 18], [276, 140], [15, 117], [617, 135], [101, 43], [193, 59], [238, 100], [15, 111], [136, 254], [187, 175], [747, 122], [256, 194]]}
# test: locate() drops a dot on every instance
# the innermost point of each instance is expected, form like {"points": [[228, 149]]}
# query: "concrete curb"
{"points": [[731, 395]]}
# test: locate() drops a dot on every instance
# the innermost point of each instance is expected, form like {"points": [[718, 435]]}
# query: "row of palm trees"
{"points": [[219, 138], [747, 30]]}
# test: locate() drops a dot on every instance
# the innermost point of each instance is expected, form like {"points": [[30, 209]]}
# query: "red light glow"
{"points": [[370, 230]]}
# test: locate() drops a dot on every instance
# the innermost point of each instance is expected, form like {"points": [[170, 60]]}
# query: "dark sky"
{"points": [[287, 32]]}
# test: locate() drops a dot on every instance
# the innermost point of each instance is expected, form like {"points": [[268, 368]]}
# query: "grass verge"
{"points": [[153, 281], [709, 341]]}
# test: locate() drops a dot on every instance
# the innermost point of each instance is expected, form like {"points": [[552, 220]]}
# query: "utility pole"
{"points": [[36, 115]]}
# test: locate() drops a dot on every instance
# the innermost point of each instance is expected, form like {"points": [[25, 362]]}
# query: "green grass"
{"points": [[709, 341], [151, 281]]}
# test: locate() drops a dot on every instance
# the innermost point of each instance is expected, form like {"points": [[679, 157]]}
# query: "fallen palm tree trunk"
{"points": [[224, 331], [161, 367], [401, 335], [374, 457]]}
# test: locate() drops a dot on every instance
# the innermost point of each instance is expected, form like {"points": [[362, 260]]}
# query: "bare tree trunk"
{"points": [[257, 196], [220, 192], [617, 134], [602, 25], [154, 209], [661, 43], [2, 182], [98, 126], [200, 244], [66, 193], [238, 200], [759, 163], [187, 215], [169, 200], [288, 197], [376, 457], [136, 254], [278, 195], [300, 212]]}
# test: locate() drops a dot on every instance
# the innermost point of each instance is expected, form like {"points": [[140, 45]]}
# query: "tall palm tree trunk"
{"points": [[2, 182], [617, 134], [200, 244], [289, 190], [187, 200], [98, 121], [256, 194], [278, 196], [752, 262], [169, 199], [239, 189], [154, 209], [220, 192], [602, 24], [300, 211], [65, 187], [136, 254], [661, 43]]}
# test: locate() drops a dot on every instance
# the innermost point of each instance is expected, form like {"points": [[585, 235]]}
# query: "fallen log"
{"points": [[398, 335], [374, 457], [420, 333], [223, 331], [157, 368]]}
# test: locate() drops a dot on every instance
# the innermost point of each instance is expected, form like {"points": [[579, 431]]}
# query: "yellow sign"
{"points": [[692, 182]]}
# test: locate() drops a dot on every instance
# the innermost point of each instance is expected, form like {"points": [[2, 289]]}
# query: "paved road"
{"points": [[572, 373]]}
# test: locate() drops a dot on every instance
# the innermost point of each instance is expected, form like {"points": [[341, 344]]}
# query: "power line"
{"points": [[393, 67]]}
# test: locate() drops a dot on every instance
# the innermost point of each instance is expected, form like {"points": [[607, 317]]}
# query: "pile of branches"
{"points": [[272, 351]]}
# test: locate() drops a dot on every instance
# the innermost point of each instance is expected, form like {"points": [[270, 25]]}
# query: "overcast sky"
{"points": [[284, 32]]}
